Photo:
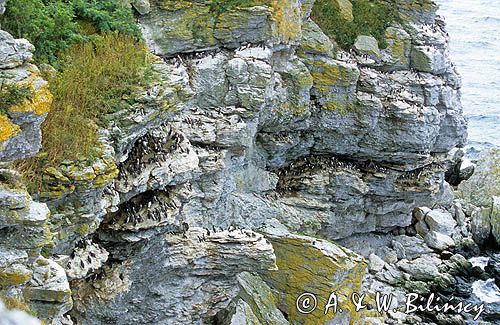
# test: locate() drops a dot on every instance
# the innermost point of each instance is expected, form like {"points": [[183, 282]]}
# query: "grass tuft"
{"points": [[95, 78], [52, 25]]}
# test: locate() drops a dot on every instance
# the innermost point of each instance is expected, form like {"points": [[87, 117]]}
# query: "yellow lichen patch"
{"points": [[42, 98], [288, 19], [7, 129], [196, 22], [83, 230], [319, 267], [333, 81], [327, 74], [56, 191], [104, 179], [399, 44], [34, 293], [14, 275]]}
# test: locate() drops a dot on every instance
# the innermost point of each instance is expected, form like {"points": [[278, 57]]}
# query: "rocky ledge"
{"points": [[263, 162]]}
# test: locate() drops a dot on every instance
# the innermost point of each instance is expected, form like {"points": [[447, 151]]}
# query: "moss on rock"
{"points": [[369, 17], [307, 264], [334, 83], [288, 19], [14, 275]]}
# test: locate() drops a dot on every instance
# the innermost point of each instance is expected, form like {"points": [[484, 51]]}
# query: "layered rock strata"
{"points": [[258, 136]]}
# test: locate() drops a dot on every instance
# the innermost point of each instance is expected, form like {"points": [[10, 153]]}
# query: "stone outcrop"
{"points": [[25, 275], [16, 317], [258, 136], [306, 265], [407, 261], [20, 135], [482, 193]]}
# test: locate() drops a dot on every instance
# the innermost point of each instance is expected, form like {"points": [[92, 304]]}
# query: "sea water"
{"points": [[474, 29]]}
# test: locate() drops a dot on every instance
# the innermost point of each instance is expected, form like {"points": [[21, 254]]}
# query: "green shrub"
{"points": [[51, 25], [95, 78], [12, 94], [371, 17], [108, 15]]}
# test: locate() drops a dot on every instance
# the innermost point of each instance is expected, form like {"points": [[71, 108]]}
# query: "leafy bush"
{"points": [[95, 79], [108, 15], [11, 94], [371, 17], [51, 25]]}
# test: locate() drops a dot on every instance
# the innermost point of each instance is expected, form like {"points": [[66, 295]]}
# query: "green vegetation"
{"points": [[107, 15], [50, 27], [53, 25], [101, 61], [12, 94], [95, 78], [371, 17]]}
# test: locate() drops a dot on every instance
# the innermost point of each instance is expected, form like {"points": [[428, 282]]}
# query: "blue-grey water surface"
{"points": [[474, 28]]}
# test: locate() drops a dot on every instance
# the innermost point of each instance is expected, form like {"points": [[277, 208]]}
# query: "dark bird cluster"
{"points": [[192, 121], [370, 166], [408, 176], [343, 56], [183, 58], [83, 242], [176, 61], [415, 74], [312, 163], [413, 176], [153, 147], [291, 176], [82, 260], [435, 28], [95, 276], [245, 46], [231, 228], [152, 205], [365, 57]]}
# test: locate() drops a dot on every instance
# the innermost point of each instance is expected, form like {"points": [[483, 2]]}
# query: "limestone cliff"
{"points": [[259, 136], [24, 273]]}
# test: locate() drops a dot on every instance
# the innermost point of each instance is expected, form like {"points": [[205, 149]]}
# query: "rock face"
{"points": [[333, 267], [25, 275], [258, 127], [20, 135], [16, 317], [482, 191]]}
